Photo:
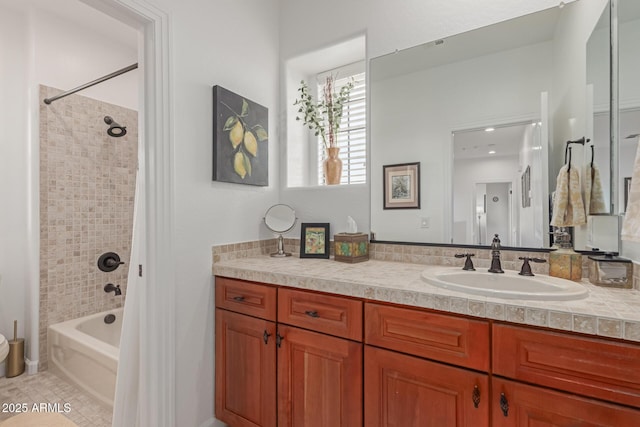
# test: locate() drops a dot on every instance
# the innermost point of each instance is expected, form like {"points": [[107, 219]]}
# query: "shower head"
{"points": [[115, 129]]}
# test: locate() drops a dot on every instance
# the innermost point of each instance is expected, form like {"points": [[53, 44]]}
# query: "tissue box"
{"points": [[351, 247]]}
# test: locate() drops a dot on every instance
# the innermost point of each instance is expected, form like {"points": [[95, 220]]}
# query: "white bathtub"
{"points": [[85, 351]]}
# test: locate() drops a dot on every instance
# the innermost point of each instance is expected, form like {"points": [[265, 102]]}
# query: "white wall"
{"points": [[68, 54], [629, 64], [568, 96], [14, 174], [498, 212], [234, 44]]}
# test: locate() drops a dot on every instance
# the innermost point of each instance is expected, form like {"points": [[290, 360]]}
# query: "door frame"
{"points": [[157, 309]]}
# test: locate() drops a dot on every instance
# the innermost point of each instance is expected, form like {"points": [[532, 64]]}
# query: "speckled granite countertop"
{"points": [[605, 312]]}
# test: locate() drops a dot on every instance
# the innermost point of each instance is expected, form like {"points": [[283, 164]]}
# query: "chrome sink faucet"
{"points": [[496, 266]]}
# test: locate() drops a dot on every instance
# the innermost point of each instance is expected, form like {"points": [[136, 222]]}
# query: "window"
{"points": [[352, 134]]}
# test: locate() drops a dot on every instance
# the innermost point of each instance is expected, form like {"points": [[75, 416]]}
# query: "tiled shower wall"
{"points": [[87, 186]]}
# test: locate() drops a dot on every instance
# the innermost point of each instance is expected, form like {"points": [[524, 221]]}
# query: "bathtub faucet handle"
{"points": [[110, 287], [109, 261]]}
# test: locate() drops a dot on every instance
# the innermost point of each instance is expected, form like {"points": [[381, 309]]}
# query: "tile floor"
{"points": [[45, 387]]}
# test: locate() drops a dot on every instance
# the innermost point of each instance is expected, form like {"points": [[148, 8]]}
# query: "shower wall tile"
{"points": [[87, 186]]}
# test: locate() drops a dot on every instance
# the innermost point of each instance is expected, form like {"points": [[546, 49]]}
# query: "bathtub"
{"points": [[85, 351]]}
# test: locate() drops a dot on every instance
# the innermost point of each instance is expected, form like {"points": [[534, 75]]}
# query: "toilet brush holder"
{"points": [[15, 359]]}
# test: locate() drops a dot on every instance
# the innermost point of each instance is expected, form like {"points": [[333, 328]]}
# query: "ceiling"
{"points": [[526, 30], [503, 140], [80, 14]]}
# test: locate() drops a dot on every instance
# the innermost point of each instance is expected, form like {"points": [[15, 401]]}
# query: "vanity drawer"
{"points": [[329, 314], [592, 367], [449, 339], [245, 297]]}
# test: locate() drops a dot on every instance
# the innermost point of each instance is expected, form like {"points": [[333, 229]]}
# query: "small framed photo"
{"points": [[401, 186], [314, 240]]}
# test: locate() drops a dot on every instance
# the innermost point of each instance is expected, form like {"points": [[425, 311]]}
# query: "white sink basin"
{"points": [[508, 285]]}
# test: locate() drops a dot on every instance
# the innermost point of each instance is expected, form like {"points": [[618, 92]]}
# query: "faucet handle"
{"points": [[468, 264], [526, 267]]}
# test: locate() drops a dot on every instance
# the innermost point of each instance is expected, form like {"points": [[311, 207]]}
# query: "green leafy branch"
{"points": [[324, 116]]}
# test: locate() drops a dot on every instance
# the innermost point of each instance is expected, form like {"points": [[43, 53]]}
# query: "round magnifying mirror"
{"points": [[280, 219]]}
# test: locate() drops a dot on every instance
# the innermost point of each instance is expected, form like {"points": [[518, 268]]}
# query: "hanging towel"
{"points": [[631, 222], [594, 197], [568, 207]]}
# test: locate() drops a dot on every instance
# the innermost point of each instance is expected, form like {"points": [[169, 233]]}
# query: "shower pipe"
{"points": [[92, 83]]}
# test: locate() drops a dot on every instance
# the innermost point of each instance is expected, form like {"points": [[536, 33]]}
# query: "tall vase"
{"points": [[332, 166]]}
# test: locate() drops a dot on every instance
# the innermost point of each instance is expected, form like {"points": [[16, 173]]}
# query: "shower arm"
{"points": [[92, 83]]}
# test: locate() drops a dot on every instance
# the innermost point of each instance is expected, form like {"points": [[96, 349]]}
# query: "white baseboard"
{"points": [[31, 366], [212, 422]]}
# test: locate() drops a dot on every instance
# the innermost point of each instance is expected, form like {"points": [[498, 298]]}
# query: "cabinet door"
{"points": [[245, 370], [408, 391], [319, 380], [519, 405]]}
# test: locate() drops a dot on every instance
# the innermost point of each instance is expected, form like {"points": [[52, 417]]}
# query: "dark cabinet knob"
{"points": [[476, 396], [504, 405]]}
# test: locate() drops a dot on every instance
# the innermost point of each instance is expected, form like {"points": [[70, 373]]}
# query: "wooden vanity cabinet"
{"points": [[294, 358], [408, 391], [319, 380], [564, 380], [521, 405], [245, 370], [320, 360], [406, 382], [245, 390], [286, 357]]}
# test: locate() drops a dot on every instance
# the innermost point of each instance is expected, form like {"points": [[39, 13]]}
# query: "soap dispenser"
{"points": [[564, 262]]}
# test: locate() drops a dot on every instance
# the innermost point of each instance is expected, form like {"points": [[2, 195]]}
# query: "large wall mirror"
{"points": [[487, 114], [629, 92]]}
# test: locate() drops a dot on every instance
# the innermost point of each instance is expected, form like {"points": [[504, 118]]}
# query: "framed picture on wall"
{"points": [[314, 240], [240, 139], [401, 186]]}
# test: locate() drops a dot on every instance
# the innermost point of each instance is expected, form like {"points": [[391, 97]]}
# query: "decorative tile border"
{"points": [[411, 254], [445, 255]]}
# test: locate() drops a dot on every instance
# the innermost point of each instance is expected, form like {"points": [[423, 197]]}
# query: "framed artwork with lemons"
{"points": [[240, 139]]}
